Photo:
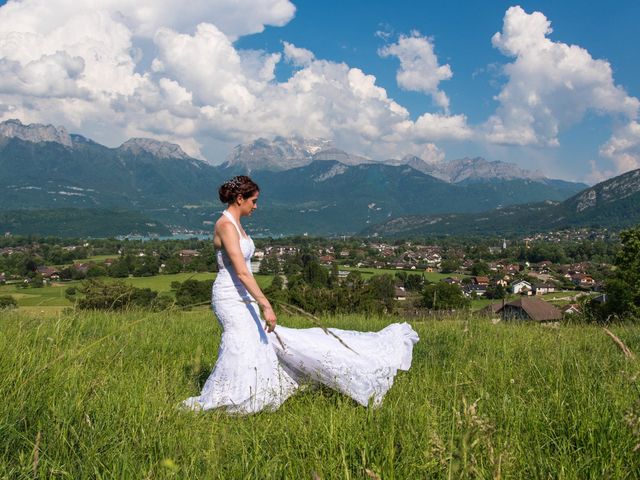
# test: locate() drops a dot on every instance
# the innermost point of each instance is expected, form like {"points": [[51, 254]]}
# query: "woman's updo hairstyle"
{"points": [[240, 185]]}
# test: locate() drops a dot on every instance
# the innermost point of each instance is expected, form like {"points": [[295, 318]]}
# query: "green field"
{"points": [[51, 300], [94, 395], [429, 276]]}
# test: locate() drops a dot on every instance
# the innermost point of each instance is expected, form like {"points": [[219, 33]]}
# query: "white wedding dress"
{"points": [[257, 370]]}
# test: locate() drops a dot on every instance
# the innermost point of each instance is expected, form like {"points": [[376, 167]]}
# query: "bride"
{"points": [[259, 368]]}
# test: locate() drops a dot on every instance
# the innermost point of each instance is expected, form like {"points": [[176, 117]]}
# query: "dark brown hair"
{"points": [[240, 185]]}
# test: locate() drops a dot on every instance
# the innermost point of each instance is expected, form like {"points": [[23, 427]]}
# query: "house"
{"points": [[543, 288], [583, 280], [491, 310], [400, 294], [472, 288], [48, 272], [496, 266], [521, 287], [434, 260], [542, 267], [451, 280], [327, 259], [502, 282], [480, 281], [526, 308], [186, 256], [82, 267], [109, 261], [188, 253], [467, 264], [511, 268]]}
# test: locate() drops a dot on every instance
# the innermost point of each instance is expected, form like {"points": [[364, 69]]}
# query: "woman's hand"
{"points": [[269, 317]]}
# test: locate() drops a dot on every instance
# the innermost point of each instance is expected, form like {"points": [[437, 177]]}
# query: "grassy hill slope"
{"points": [[95, 395]]}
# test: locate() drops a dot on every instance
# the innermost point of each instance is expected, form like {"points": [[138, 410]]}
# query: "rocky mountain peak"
{"points": [[35, 132], [340, 156], [477, 168], [614, 189], [468, 169], [281, 153], [154, 147]]}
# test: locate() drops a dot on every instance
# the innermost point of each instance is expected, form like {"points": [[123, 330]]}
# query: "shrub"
{"points": [[443, 296], [162, 302], [7, 301], [99, 295], [193, 292]]}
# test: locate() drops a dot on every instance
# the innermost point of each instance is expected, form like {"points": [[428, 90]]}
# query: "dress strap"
{"points": [[227, 214]]}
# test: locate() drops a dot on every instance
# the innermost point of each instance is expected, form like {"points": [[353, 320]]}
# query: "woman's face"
{"points": [[248, 205]]}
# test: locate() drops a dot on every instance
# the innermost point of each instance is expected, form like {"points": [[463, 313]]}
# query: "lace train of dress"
{"points": [[256, 370]]}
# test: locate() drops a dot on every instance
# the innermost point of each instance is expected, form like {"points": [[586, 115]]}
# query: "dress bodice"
{"points": [[226, 273]]}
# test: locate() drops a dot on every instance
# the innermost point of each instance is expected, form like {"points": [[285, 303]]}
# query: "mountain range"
{"points": [[307, 185], [285, 153], [612, 204]]}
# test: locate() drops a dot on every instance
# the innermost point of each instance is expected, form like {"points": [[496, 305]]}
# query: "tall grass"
{"points": [[94, 395]]}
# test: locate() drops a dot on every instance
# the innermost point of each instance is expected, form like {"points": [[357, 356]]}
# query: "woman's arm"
{"points": [[231, 244]]}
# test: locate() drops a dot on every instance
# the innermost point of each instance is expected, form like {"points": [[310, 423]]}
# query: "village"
{"points": [[499, 277]]}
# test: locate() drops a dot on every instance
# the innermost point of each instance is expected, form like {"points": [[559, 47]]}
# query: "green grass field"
{"points": [[51, 300], [430, 276], [94, 395]]}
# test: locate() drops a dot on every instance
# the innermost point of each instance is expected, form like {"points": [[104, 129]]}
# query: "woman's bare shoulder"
{"points": [[224, 225]]}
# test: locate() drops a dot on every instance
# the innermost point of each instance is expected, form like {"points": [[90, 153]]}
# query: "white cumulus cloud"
{"points": [[419, 69], [112, 69], [623, 148], [550, 85], [300, 57]]}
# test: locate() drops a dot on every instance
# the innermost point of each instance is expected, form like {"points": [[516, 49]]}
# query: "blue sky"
{"points": [[557, 91]]}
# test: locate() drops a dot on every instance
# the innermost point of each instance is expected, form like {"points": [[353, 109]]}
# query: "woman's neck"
{"points": [[234, 213]]}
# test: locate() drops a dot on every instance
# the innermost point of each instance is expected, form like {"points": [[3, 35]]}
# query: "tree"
{"points": [[623, 289], [354, 279], [291, 265], [96, 271], [382, 288], [413, 282], [99, 295], [119, 269], [173, 265], [7, 302], [444, 296], [496, 292], [269, 265], [334, 276], [449, 265], [315, 274], [275, 291], [193, 292], [480, 268], [37, 281]]}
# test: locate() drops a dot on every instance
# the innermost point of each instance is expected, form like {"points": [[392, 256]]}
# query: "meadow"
{"points": [[50, 300], [95, 395]]}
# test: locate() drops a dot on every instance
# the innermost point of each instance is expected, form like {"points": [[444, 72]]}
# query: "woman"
{"points": [[258, 369]]}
